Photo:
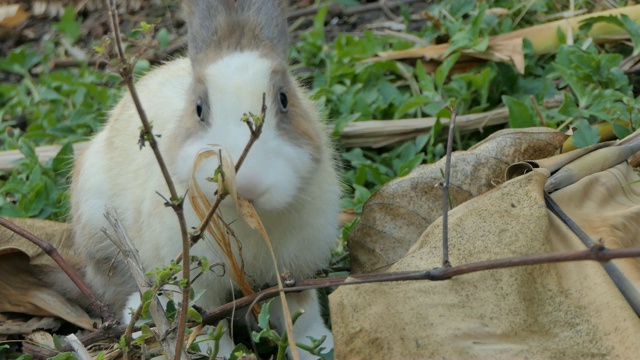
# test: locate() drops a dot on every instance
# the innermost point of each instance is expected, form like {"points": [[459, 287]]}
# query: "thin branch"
{"points": [[255, 131], [126, 71], [78, 347], [50, 250], [211, 317], [445, 191], [626, 288], [535, 106], [121, 239], [596, 253]]}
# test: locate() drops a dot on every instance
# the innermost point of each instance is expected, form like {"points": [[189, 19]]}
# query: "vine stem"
{"points": [[175, 202], [445, 191], [596, 253]]}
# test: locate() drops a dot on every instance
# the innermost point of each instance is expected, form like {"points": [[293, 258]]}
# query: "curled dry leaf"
{"points": [[396, 215], [217, 228], [553, 163], [21, 264], [591, 163], [12, 15], [250, 216], [508, 47]]}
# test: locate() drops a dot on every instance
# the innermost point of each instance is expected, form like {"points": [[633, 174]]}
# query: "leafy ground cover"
{"points": [[43, 101], [45, 104]]}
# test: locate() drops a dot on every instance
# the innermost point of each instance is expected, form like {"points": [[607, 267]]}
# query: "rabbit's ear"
{"points": [[205, 19], [270, 19]]}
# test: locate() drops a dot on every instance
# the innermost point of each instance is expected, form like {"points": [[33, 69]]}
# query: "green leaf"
{"points": [[585, 135], [65, 356], [425, 81], [141, 67], [620, 130], [263, 317], [411, 104], [239, 352], [443, 70], [68, 26], [164, 37], [63, 161], [194, 314], [623, 21], [569, 107], [520, 115]]}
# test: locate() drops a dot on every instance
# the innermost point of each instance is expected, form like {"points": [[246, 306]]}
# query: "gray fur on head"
{"points": [[210, 22]]}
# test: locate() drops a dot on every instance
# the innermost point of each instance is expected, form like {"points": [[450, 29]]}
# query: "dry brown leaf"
{"points": [[250, 216], [498, 50], [21, 290], [19, 324], [508, 47], [12, 15], [396, 215], [591, 163], [42, 338], [553, 163], [569, 310], [216, 227]]}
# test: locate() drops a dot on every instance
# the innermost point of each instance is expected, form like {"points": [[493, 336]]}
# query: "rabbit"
{"points": [[237, 51]]}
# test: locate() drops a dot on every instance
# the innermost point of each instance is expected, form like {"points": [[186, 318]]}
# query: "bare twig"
{"points": [[535, 106], [445, 191], [597, 253], [176, 202], [627, 289], [78, 347], [50, 250], [120, 238], [256, 131]]}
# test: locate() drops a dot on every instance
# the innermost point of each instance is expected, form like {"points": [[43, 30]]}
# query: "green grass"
{"points": [[68, 105]]}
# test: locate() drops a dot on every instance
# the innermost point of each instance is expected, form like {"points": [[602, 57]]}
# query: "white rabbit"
{"points": [[237, 51]]}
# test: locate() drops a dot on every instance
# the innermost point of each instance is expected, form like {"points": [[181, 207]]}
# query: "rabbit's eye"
{"points": [[200, 110], [284, 102]]}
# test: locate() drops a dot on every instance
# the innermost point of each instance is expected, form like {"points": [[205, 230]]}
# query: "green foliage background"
{"points": [[62, 106]]}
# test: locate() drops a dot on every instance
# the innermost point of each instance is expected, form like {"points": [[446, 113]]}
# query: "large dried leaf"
{"points": [[508, 47], [12, 15], [570, 310], [396, 215], [21, 289]]}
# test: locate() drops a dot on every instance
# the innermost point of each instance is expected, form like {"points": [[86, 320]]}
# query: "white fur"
{"points": [[296, 198]]}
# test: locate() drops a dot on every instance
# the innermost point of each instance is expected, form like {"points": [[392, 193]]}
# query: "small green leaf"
{"points": [[241, 352], [68, 26], [520, 115], [65, 356], [263, 317], [620, 130], [585, 135], [164, 37], [412, 104], [64, 159], [142, 67], [194, 314], [443, 70]]}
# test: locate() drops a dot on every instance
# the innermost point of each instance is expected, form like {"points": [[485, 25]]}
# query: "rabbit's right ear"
{"points": [[204, 19]]}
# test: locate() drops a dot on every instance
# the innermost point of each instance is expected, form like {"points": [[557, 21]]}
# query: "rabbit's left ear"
{"points": [[205, 19], [270, 19]]}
